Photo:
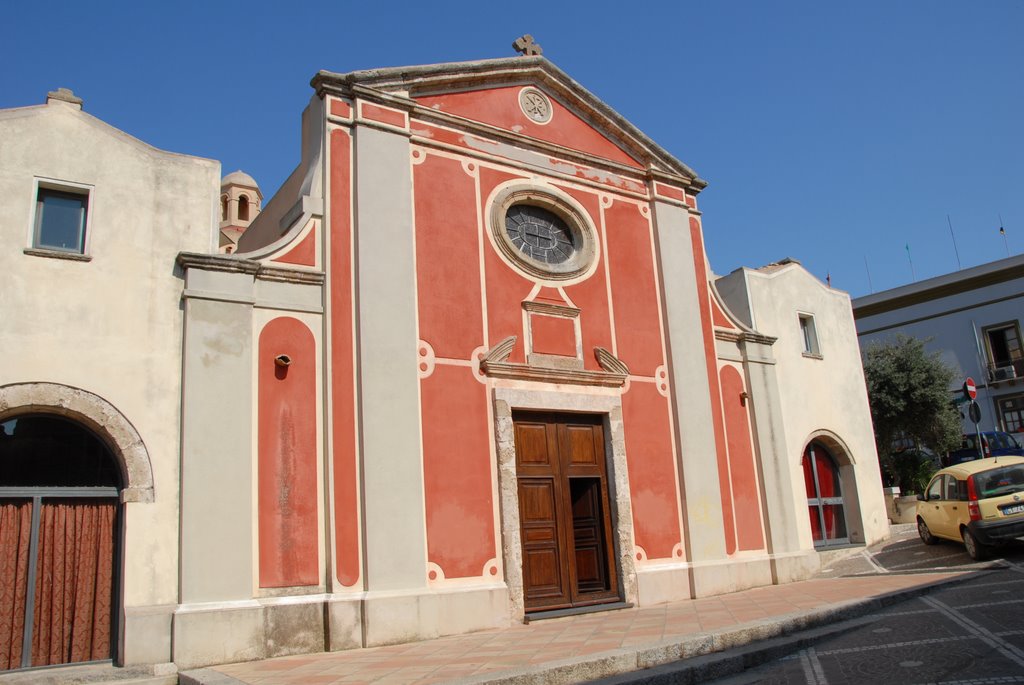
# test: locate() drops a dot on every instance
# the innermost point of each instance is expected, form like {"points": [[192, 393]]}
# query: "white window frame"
{"points": [[809, 345], [84, 189]]}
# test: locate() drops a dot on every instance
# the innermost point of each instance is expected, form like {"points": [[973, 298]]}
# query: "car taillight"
{"points": [[972, 501], [984, 446]]}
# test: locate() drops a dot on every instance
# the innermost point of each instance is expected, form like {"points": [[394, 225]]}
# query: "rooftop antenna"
{"points": [[913, 275], [1002, 232], [870, 286], [958, 267]]}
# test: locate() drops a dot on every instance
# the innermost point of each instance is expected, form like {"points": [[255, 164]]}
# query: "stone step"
{"points": [[94, 674]]}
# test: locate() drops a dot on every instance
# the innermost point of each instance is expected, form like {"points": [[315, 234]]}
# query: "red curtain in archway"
{"points": [[15, 534], [74, 581]]}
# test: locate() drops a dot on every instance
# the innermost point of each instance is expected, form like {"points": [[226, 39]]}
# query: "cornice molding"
{"points": [[920, 292], [261, 271], [743, 336], [495, 365], [212, 262], [523, 372], [425, 80], [552, 309]]}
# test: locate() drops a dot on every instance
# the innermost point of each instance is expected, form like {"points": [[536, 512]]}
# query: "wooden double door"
{"points": [[564, 514]]}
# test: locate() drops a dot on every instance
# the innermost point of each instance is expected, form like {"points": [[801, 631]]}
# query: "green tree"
{"points": [[910, 406]]}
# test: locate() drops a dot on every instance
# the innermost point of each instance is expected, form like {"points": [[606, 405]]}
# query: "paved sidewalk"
{"points": [[578, 648]]}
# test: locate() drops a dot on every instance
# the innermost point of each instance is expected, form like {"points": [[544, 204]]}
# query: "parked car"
{"points": [[993, 444], [979, 502]]}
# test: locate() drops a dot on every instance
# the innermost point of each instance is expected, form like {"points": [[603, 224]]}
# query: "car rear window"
{"points": [[1003, 480], [1001, 441]]}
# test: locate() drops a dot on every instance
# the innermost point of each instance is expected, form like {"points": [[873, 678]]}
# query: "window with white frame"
{"points": [[60, 218], [809, 336]]}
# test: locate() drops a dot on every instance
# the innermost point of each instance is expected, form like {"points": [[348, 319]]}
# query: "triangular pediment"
{"points": [[488, 92]]}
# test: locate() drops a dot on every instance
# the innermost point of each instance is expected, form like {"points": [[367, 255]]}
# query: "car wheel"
{"points": [[926, 535], [975, 550]]}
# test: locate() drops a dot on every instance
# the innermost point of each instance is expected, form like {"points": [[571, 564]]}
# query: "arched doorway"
{"points": [[59, 505], [825, 504]]}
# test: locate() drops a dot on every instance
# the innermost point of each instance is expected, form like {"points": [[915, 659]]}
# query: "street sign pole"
{"points": [[974, 412]]}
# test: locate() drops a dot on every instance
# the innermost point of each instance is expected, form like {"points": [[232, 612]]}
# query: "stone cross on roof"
{"points": [[526, 46]]}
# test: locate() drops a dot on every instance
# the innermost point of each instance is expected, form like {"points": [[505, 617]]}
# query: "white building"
{"points": [[823, 399], [972, 318], [90, 225]]}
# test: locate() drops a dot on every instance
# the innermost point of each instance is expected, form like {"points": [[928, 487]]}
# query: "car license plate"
{"points": [[1013, 509]]}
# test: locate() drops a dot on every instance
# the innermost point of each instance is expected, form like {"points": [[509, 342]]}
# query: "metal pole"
{"points": [[955, 250], [1002, 232]]}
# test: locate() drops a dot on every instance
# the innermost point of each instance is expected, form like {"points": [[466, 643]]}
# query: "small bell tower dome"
{"points": [[240, 203]]}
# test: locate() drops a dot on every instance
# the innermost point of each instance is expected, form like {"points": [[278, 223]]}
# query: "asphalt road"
{"points": [[971, 633]]}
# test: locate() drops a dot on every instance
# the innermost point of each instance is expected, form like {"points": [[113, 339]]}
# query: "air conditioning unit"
{"points": [[1003, 373]]}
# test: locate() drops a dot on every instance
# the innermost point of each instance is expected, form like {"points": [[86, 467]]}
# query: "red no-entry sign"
{"points": [[970, 389]]}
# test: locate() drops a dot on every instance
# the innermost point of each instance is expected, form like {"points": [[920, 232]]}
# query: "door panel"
{"points": [[532, 444], [581, 445], [568, 558]]}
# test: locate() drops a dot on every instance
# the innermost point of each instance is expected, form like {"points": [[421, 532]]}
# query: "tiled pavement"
{"points": [[587, 646]]}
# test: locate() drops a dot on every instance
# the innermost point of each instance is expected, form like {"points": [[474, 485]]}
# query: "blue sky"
{"points": [[835, 133]]}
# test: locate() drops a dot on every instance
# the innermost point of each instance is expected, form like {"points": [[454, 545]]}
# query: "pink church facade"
{"points": [[511, 388]]}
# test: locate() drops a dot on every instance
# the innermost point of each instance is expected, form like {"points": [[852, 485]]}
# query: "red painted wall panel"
{"points": [[669, 191], [303, 254], [287, 472], [553, 335], [457, 472], [652, 480], [343, 429], [741, 462], [340, 108], [591, 296], [704, 304], [385, 115], [506, 289], [500, 107], [719, 318], [631, 260], [477, 144], [447, 257]]}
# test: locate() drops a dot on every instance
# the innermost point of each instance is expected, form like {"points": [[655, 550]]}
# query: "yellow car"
{"points": [[980, 502]]}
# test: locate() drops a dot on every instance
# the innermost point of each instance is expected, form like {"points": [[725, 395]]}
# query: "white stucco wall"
{"points": [[822, 394], [111, 325]]}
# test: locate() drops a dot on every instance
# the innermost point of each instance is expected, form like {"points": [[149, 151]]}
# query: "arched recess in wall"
{"points": [[287, 455], [97, 415], [830, 483], [749, 533], [243, 208]]}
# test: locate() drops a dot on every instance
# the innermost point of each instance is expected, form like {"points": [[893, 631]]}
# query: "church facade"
{"points": [[470, 366], [491, 378]]}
